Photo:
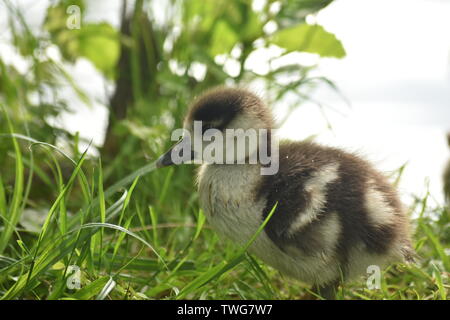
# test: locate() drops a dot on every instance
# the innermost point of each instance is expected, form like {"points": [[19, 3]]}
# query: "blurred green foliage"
{"points": [[162, 55], [309, 38], [98, 43]]}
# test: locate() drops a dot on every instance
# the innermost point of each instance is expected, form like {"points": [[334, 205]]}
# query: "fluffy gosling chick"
{"points": [[336, 215]]}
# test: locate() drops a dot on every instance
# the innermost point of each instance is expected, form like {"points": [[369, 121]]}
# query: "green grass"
{"points": [[144, 237]]}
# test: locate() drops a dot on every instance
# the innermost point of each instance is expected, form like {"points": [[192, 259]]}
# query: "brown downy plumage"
{"points": [[335, 216]]}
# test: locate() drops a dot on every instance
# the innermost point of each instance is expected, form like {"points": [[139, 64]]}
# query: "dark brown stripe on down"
{"points": [[219, 106], [345, 196], [298, 164]]}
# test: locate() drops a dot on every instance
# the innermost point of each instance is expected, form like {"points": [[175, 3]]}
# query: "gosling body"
{"points": [[335, 216]]}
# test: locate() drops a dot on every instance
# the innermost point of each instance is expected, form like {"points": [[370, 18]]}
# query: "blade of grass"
{"points": [[121, 237], [59, 199], [166, 184], [439, 283], [200, 223], [116, 187], [143, 264], [154, 222], [2, 199], [91, 290], [437, 246], [121, 229], [101, 199], [13, 214], [141, 216], [262, 276], [122, 215], [108, 287]]}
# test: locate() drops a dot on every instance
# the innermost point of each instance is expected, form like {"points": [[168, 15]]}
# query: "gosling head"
{"points": [[213, 125]]}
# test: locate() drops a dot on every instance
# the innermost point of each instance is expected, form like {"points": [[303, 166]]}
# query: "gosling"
{"points": [[335, 214]]}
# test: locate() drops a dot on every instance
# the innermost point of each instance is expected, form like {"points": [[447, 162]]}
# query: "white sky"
{"points": [[396, 75]]}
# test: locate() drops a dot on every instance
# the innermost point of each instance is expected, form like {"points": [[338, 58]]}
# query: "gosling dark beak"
{"points": [[165, 160], [176, 155]]}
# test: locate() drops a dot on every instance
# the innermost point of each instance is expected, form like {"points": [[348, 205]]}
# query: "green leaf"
{"points": [[309, 38], [100, 44], [223, 39], [252, 28]]}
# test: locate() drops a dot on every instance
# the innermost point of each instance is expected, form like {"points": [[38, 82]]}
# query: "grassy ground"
{"points": [[144, 237]]}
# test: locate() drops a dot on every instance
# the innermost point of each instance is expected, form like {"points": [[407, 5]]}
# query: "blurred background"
{"points": [[115, 77]]}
